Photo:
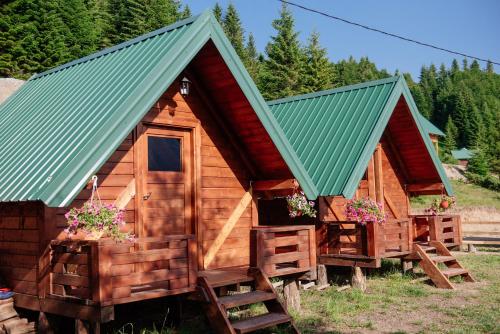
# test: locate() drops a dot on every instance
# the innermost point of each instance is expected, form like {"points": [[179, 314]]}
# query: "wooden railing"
{"points": [[371, 240], [105, 272], [283, 250], [443, 228]]}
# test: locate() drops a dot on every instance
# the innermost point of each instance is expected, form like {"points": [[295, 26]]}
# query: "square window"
{"points": [[164, 154]]}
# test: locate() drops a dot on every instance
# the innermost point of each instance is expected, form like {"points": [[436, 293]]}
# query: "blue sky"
{"points": [[471, 27]]}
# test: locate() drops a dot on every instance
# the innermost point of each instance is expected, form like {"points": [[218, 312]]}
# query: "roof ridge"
{"points": [[335, 90], [120, 46]]}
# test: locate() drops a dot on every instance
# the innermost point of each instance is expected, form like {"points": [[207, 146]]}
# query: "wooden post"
{"points": [[406, 265], [433, 228], [44, 324], [358, 279], [291, 294], [472, 248], [322, 275], [372, 237]]}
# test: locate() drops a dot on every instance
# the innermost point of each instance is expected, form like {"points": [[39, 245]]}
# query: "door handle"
{"points": [[146, 196]]}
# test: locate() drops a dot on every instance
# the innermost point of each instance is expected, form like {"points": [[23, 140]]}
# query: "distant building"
{"points": [[463, 155], [8, 86], [432, 130]]}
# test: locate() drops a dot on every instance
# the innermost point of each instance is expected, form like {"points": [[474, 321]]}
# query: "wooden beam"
{"points": [[126, 195], [379, 176], [392, 207], [228, 227], [270, 185], [424, 187]]}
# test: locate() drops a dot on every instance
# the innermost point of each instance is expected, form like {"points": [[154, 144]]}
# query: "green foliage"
{"points": [[319, 71], [478, 164], [234, 31], [486, 181], [284, 66]]}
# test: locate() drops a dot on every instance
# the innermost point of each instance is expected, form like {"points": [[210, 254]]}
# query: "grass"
{"points": [[468, 195], [393, 303]]}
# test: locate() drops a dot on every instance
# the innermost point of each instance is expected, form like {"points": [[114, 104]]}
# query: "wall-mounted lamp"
{"points": [[185, 86]]}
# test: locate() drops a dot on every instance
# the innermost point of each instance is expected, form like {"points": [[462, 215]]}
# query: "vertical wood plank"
{"points": [[379, 177]]}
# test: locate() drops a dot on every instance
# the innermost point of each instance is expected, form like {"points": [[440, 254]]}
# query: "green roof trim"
{"points": [[64, 124], [429, 127], [462, 154], [335, 132]]}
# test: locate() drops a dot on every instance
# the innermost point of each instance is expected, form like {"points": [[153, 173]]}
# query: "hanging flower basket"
{"points": [[97, 220], [364, 211], [442, 204], [298, 206]]}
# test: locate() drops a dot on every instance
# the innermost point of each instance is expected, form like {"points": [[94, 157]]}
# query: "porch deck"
{"points": [[348, 244]]}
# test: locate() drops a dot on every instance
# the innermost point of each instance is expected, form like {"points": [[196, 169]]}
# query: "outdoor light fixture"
{"points": [[185, 85]]}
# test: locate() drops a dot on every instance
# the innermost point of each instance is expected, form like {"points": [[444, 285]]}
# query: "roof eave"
{"points": [[427, 141]]}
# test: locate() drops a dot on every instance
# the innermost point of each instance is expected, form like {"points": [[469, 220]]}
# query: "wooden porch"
{"points": [[350, 244], [85, 279]]}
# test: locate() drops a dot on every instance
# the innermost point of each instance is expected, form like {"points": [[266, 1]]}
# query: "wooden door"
{"points": [[167, 187]]}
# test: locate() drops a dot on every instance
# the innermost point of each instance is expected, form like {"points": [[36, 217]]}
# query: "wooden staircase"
{"points": [[221, 290], [434, 253]]}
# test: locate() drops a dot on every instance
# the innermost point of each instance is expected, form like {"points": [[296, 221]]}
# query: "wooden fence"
{"points": [[443, 228], [371, 240], [283, 250], [106, 273]]}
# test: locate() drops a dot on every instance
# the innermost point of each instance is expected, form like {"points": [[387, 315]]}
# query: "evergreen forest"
{"points": [[461, 98]]}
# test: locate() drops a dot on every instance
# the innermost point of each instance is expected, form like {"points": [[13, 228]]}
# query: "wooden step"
{"points": [[451, 272], [442, 259], [246, 298], [260, 322]]}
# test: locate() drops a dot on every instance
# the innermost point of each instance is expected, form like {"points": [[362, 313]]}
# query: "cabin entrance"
{"points": [[167, 181]]}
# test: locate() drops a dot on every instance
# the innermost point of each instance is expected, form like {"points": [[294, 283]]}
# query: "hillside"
{"points": [[474, 203]]}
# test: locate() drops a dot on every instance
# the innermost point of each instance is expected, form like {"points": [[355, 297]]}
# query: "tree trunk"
{"points": [[291, 294], [358, 279]]}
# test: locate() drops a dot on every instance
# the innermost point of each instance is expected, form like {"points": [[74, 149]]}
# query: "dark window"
{"points": [[164, 154]]}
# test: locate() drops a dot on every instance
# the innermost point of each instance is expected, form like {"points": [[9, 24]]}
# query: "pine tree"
{"points": [[234, 31], [478, 164], [489, 67], [252, 63], [319, 70], [186, 12], [284, 66], [218, 12], [450, 141], [84, 36], [474, 132]]}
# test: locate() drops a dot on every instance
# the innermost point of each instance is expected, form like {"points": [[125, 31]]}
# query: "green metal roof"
{"points": [[429, 127], [335, 132], [63, 124], [462, 154]]}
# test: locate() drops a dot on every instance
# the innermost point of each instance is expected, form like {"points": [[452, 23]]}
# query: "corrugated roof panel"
{"points": [[334, 132], [429, 127], [56, 115], [329, 130]]}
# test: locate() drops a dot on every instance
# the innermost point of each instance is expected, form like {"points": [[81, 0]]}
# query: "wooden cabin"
{"points": [[196, 173], [368, 141], [187, 168]]}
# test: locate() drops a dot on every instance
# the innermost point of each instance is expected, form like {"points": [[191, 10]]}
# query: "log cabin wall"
{"points": [[19, 245], [395, 196], [224, 182], [113, 178]]}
